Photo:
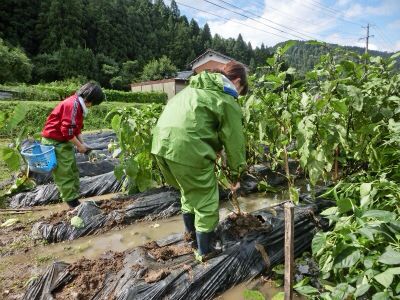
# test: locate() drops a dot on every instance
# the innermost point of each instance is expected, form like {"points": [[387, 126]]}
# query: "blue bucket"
{"points": [[40, 158]]}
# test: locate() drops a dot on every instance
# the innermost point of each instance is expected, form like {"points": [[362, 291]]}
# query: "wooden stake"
{"points": [[289, 250]]}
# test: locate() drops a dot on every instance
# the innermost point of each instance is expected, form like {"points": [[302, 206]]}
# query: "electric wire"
{"points": [[240, 23], [247, 17], [261, 17]]}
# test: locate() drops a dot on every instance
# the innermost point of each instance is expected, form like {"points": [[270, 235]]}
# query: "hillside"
{"points": [[304, 56]]}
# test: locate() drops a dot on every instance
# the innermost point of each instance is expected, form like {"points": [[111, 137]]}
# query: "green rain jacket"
{"points": [[199, 121]]}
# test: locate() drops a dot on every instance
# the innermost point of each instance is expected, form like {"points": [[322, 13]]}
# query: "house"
{"points": [[170, 86], [207, 61]]}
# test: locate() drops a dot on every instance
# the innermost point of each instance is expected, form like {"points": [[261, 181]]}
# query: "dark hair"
{"points": [[233, 70], [92, 93]]}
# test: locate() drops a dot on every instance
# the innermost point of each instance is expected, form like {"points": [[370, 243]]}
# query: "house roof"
{"points": [[207, 52], [184, 75]]}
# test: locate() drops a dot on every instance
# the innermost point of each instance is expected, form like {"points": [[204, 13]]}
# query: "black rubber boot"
{"points": [[73, 203], [204, 242], [190, 230]]}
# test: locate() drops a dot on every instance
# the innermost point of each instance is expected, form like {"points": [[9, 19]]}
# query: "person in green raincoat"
{"points": [[196, 125]]}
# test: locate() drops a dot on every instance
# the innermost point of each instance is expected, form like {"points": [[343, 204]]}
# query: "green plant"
{"points": [[271, 114], [133, 127]]}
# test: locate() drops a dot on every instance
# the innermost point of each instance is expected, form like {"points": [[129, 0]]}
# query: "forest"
{"points": [[113, 41]]}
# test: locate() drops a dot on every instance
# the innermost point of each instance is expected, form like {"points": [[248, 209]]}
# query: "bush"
{"points": [[15, 66], [49, 92], [39, 111]]}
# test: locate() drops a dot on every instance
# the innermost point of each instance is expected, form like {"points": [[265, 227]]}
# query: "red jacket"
{"points": [[65, 121]]}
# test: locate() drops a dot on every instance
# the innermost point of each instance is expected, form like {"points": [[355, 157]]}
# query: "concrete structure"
{"points": [[169, 86]]}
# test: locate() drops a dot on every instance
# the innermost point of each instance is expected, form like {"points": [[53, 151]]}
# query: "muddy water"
{"points": [[119, 239], [135, 234], [267, 288]]}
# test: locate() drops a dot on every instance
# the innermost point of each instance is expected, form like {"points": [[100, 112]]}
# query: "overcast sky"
{"points": [[273, 21]]}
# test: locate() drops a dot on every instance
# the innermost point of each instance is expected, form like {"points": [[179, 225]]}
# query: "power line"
{"points": [[298, 20], [307, 4], [218, 16], [247, 17], [386, 38], [258, 16]]}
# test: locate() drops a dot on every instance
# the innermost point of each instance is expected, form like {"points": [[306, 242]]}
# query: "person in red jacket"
{"points": [[63, 130]]}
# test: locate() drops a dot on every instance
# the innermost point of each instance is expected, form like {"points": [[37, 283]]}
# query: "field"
{"points": [[327, 141]]}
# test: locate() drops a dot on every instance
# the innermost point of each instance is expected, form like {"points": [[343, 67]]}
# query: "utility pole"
{"points": [[367, 38]]}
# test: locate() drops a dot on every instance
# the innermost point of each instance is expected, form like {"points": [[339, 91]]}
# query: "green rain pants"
{"points": [[199, 191], [66, 174]]}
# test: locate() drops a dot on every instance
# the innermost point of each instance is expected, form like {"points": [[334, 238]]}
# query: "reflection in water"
{"points": [[132, 236]]}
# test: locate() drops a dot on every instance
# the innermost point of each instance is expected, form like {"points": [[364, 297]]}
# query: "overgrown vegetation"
{"points": [[343, 125]]}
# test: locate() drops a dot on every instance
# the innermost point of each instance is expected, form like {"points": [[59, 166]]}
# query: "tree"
{"points": [[15, 66], [61, 22], [159, 69], [128, 74]]}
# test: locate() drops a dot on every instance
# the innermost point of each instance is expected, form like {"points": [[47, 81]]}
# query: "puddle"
{"points": [[31, 264], [267, 289]]}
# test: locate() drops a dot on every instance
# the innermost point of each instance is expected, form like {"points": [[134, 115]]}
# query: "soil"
{"points": [[16, 239], [167, 252], [58, 217], [154, 276], [244, 223], [108, 206], [88, 276]]}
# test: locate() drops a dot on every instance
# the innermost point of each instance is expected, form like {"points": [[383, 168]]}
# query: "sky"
{"points": [[272, 21]]}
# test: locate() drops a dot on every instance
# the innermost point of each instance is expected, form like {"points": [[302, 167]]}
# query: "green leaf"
{"points": [[347, 258], [396, 55], [344, 205], [390, 257], [306, 290], [339, 106], [119, 172], [381, 296], [384, 278], [318, 242], [11, 157], [368, 232], [116, 122], [342, 291], [252, 295], [362, 289], [382, 215], [17, 116], [279, 296], [287, 46], [365, 189], [294, 194], [329, 211], [10, 222], [77, 222], [131, 168]]}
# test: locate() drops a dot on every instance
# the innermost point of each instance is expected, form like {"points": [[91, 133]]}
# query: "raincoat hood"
{"points": [[214, 82]]}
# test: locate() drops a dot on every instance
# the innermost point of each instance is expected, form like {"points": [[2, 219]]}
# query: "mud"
{"points": [[58, 217], [243, 223], [88, 276], [169, 252], [154, 276], [111, 205]]}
